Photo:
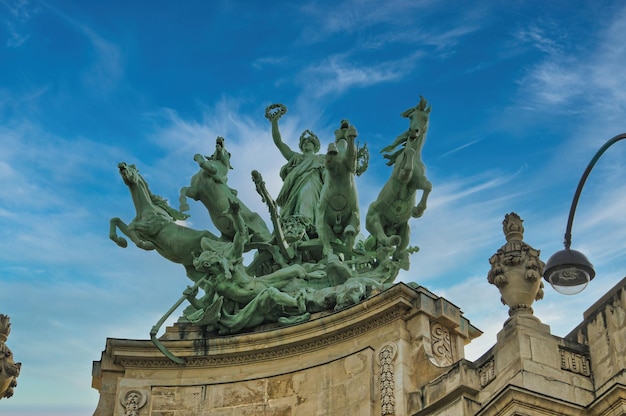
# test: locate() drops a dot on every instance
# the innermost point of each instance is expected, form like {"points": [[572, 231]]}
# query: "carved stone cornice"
{"points": [[371, 314]]}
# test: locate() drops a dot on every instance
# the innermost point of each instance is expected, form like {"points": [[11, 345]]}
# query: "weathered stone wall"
{"points": [[344, 385]]}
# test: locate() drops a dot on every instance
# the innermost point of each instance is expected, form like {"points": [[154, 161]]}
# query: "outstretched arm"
{"points": [[190, 293], [285, 150]]}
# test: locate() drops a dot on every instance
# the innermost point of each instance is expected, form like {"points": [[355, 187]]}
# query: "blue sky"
{"points": [[522, 94]]}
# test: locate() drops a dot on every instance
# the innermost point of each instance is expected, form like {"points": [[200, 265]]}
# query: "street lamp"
{"points": [[569, 271]]}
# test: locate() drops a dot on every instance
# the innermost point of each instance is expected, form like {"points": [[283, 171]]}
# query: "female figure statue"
{"points": [[302, 175]]}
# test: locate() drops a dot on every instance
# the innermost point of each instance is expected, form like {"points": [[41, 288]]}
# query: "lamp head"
{"points": [[568, 271]]}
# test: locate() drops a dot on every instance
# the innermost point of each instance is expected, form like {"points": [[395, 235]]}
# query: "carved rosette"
{"points": [[516, 269], [9, 369]]}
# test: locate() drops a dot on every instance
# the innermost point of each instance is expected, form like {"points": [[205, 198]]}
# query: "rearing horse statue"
{"points": [[337, 218], [338, 210], [209, 186], [154, 226], [387, 217]]}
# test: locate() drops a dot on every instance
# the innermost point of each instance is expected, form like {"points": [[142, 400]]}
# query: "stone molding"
{"points": [[269, 354], [515, 400], [386, 358]]}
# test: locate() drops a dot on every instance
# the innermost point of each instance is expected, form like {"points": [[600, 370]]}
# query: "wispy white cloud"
{"points": [[584, 78], [23, 103], [442, 40], [20, 11], [339, 73], [400, 24], [269, 61], [107, 66], [466, 145], [377, 25], [535, 35], [469, 186], [554, 83], [357, 16], [16, 39], [608, 78]]}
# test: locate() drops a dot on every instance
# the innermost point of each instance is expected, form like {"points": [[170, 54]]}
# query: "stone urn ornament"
{"points": [[516, 269]]}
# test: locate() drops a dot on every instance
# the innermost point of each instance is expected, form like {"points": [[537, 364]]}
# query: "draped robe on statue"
{"points": [[300, 193]]}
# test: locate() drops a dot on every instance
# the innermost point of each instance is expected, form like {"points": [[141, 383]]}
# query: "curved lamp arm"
{"points": [[570, 220], [569, 271]]}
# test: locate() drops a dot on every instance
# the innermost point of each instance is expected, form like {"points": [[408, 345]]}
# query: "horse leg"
{"points": [[351, 230], [400, 254], [182, 199], [418, 210], [114, 224], [373, 224], [324, 232], [336, 270], [129, 232]]}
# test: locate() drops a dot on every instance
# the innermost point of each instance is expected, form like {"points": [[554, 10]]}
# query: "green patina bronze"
{"points": [[311, 261], [388, 217]]}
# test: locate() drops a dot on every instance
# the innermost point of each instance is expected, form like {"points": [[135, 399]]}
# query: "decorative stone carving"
{"points": [[574, 362], [441, 344], [132, 401], [9, 369], [386, 357], [303, 348], [487, 372], [516, 269]]}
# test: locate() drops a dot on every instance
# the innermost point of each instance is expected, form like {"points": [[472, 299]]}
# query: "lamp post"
{"points": [[569, 271]]}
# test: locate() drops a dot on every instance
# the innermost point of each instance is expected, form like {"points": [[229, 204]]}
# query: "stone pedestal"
{"points": [[369, 359]]}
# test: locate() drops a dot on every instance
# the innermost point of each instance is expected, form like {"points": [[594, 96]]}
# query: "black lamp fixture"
{"points": [[569, 271]]}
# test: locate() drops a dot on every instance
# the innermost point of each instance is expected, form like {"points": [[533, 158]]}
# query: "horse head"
{"points": [[346, 131], [418, 120], [142, 196], [129, 173], [136, 183], [414, 137], [221, 157]]}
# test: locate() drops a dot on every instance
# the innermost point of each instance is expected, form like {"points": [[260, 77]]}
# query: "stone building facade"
{"points": [[400, 352]]}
